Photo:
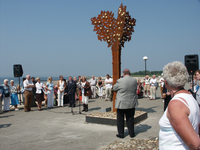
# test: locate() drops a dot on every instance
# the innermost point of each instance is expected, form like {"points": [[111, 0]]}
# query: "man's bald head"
{"points": [[126, 72], [28, 77]]}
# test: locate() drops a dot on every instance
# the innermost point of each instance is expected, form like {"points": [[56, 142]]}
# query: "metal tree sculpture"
{"points": [[115, 32]]}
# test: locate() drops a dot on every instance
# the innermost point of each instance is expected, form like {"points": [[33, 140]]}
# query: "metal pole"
{"points": [[145, 68], [193, 82], [19, 92], [72, 110], [79, 107]]}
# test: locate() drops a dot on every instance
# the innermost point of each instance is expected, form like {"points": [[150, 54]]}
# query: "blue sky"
{"points": [[53, 37]]}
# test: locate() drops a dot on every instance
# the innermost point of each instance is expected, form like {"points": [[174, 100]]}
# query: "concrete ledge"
{"points": [[113, 122]]}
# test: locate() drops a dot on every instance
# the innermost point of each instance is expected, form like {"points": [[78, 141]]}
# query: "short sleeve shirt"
{"points": [[153, 82], [26, 83], [93, 82], [50, 86], [109, 85]]}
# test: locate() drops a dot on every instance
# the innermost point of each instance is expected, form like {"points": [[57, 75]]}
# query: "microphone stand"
{"points": [[79, 105], [72, 110], [19, 93]]}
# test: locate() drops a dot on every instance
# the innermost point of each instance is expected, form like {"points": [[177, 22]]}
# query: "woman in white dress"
{"points": [[61, 87]]}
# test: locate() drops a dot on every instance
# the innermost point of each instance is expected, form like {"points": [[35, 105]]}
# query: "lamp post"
{"points": [[145, 58]]}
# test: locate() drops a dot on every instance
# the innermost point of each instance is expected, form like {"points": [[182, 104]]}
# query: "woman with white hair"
{"points": [[180, 121], [14, 96], [6, 96]]}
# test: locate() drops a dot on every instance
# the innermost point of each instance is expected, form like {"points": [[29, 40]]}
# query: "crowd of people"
{"points": [[68, 92], [35, 92], [179, 125]]}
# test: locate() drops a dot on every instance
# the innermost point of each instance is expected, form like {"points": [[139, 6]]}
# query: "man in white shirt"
{"points": [[161, 82], [108, 82], [153, 86], [28, 94], [93, 83], [147, 85]]}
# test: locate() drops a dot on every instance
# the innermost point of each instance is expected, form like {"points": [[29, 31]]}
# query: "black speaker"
{"points": [[192, 63], [17, 70]]}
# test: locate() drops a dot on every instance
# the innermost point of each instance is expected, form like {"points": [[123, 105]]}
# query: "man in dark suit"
{"points": [[71, 91], [125, 103]]}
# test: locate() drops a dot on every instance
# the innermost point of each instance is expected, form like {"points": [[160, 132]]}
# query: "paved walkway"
{"points": [[58, 129]]}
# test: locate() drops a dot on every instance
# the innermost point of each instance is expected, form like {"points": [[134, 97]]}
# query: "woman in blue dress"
{"points": [[14, 96], [50, 92]]}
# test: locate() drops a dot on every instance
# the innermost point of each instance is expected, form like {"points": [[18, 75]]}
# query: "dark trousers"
{"points": [[28, 100], [129, 120], [72, 99]]}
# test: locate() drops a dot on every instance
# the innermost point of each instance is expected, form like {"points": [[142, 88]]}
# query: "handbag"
{"points": [[7, 94], [89, 92], [138, 91]]}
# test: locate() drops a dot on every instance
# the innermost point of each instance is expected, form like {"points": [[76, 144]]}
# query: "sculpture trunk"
{"points": [[116, 58]]}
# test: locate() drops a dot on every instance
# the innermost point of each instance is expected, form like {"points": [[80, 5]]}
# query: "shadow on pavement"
{"points": [[6, 116], [5, 125], [148, 110], [96, 108], [77, 113], [142, 128], [91, 101], [62, 112], [138, 129]]}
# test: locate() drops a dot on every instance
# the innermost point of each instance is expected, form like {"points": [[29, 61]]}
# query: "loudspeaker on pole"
{"points": [[192, 63], [17, 70]]}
